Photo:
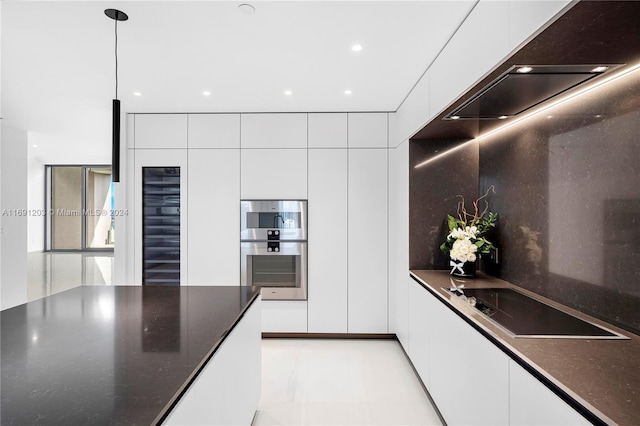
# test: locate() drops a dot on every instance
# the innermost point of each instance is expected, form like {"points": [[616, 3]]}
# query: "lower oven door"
{"points": [[279, 268]]}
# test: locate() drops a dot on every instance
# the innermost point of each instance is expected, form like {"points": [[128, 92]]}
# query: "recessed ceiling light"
{"points": [[356, 47], [34, 145], [549, 116], [246, 9], [502, 117], [524, 70], [137, 94], [206, 93], [348, 92], [455, 117], [288, 92], [600, 69]]}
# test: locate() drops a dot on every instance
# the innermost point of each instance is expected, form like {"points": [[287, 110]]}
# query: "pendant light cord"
{"points": [[116, 58]]}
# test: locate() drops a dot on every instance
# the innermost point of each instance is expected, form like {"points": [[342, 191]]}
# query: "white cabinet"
{"points": [[468, 375], [274, 130], [368, 130], [273, 174], [328, 130], [399, 241], [528, 16], [159, 158], [284, 316], [214, 216], [327, 241], [214, 131], [227, 391], [367, 238], [421, 324], [165, 131], [471, 53], [532, 403]]}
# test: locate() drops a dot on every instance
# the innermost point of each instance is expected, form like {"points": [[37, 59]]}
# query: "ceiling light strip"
{"points": [[571, 96]]}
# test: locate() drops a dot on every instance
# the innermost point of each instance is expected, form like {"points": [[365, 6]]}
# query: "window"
{"points": [[80, 208]]}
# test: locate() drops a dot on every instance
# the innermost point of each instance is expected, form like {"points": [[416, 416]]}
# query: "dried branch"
{"points": [[463, 215]]}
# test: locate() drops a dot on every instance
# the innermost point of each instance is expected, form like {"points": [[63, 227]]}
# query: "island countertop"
{"points": [[111, 355], [601, 375]]}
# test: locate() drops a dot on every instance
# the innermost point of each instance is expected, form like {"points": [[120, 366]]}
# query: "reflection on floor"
{"points": [[50, 273], [345, 382]]}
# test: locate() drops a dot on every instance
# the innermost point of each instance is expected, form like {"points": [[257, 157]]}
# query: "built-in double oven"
{"points": [[273, 247]]}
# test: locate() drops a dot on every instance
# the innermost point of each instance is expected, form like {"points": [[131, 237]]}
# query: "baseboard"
{"points": [[271, 335]]}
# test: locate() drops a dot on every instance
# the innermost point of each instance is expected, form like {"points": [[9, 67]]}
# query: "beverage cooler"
{"points": [[161, 226]]}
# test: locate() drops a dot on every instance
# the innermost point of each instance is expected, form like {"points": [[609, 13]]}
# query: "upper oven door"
{"points": [[262, 220]]}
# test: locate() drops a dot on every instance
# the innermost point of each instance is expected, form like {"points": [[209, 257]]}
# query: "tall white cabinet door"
{"points": [[368, 234], [214, 216], [274, 130], [160, 131], [160, 158], [327, 303], [276, 174]]}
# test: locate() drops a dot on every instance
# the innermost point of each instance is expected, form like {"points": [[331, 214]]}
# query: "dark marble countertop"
{"points": [[602, 376], [110, 355]]}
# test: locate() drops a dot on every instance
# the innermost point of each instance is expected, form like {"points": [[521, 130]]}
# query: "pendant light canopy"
{"points": [[116, 15]]}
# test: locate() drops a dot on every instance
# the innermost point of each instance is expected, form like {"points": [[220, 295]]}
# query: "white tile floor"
{"points": [[340, 382]]}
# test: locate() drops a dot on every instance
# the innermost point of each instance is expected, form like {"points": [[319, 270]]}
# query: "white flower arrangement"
{"points": [[465, 241], [463, 250]]}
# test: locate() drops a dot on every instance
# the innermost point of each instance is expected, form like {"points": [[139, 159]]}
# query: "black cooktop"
{"points": [[525, 316]]}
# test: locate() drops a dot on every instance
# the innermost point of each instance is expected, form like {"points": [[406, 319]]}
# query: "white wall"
{"points": [[13, 221], [35, 196]]}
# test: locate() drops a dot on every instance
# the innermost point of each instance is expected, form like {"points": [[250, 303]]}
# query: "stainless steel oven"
{"points": [[273, 247]]}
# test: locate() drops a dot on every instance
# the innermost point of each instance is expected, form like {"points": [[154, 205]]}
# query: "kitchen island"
{"points": [[132, 355]]}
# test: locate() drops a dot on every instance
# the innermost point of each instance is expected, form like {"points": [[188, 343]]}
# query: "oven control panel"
{"points": [[273, 247]]}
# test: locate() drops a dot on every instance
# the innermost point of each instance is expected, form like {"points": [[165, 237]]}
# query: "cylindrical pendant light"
{"points": [[116, 15]]}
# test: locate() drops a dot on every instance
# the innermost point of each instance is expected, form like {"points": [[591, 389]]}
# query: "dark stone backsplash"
{"points": [[568, 197]]}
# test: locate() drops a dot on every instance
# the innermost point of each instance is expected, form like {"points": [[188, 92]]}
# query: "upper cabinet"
{"points": [[526, 17], [368, 130], [471, 53], [328, 130], [214, 131], [273, 174], [160, 131], [274, 130]]}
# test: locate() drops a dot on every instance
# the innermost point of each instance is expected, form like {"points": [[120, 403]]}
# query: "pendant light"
{"points": [[116, 15]]}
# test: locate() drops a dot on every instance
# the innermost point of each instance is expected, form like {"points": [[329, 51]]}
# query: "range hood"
{"points": [[522, 87]]}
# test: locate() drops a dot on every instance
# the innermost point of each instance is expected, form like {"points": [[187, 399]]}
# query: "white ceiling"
{"points": [[58, 67]]}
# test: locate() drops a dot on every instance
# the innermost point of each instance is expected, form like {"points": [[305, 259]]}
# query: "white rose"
{"points": [[471, 257]]}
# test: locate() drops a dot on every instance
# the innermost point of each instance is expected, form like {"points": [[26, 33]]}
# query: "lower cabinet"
{"points": [[227, 391], [421, 325], [284, 316], [469, 378], [532, 403]]}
